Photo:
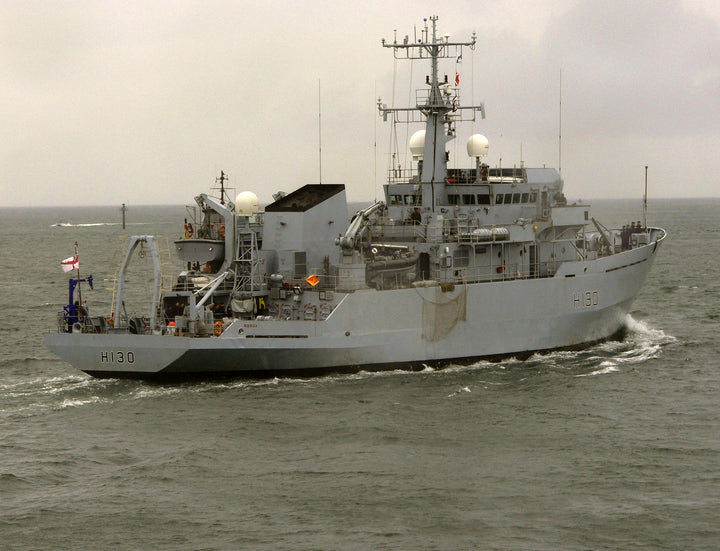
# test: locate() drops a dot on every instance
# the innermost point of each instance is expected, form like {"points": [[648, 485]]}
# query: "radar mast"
{"points": [[438, 104]]}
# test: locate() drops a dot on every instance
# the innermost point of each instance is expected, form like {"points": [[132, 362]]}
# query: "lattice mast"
{"points": [[439, 104]]}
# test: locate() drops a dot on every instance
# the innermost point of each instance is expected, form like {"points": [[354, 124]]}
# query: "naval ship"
{"points": [[456, 264]]}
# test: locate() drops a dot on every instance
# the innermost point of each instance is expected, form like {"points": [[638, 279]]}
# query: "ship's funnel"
{"points": [[417, 145], [246, 204], [478, 146]]}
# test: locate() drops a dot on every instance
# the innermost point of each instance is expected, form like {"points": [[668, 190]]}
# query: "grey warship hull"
{"points": [[585, 302]]}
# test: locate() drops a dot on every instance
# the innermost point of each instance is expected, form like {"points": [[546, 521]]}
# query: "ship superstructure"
{"points": [[455, 264]]}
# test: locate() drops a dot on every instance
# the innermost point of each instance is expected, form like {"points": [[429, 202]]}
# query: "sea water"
{"points": [[613, 447]]}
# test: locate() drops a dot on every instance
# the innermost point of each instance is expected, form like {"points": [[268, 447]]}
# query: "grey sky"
{"points": [[105, 102]]}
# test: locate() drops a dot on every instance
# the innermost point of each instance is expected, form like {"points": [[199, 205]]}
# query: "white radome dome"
{"points": [[246, 204], [417, 145], [478, 146]]}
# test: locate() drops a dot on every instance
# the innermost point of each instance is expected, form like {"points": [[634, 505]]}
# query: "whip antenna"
{"points": [[319, 132], [560, 129], [645, 201]]}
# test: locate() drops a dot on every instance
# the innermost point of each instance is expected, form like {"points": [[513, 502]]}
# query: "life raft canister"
{"points": [[218, 328]]}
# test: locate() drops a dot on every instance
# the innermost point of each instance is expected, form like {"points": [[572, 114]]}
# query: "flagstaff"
{"points": [[77, 265]]}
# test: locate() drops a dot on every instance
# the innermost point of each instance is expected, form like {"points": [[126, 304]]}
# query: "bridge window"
{"points": [[524, 198], [453, 199], [483, 200], [499, 199], [533, 197], [516, 198], [468, 199], [396, 199]]}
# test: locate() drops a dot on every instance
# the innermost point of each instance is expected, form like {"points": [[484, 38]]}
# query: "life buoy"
{"points": [[218, 328], [221, 231]]}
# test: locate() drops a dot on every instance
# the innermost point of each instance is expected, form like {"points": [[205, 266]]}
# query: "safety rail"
{"points": [[399, 175], [505, 272], [195, 227], [447, 230]]}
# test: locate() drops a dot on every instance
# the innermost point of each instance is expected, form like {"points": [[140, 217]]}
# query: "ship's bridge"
{"points": [[484, 187]]}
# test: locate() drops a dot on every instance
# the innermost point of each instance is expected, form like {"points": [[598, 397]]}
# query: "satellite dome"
{"points": [[478, 146], [417, 145], [246, 204]]}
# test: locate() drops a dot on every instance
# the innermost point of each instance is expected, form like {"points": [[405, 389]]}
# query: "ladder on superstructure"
{"points": [[246, 263]]}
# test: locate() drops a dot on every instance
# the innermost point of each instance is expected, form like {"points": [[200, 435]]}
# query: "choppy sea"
{"points": [[613, 447]]}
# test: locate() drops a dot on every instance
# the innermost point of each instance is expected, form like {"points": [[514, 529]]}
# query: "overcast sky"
{"points": [[105, 102]]}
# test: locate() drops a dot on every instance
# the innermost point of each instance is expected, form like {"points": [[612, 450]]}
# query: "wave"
{"points": [[37, 386], [10, 481], [605, 368], [20, 362], [78, 402], [27, 396], [465, 389], [641, 344]]}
